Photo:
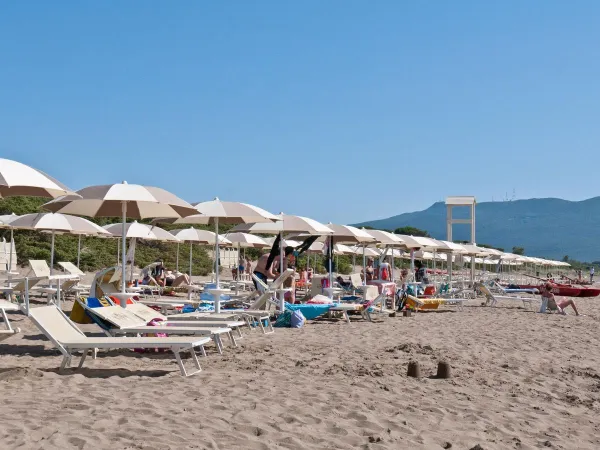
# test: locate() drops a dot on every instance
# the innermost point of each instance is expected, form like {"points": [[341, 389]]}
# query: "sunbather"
{"points": [[547, 294]]}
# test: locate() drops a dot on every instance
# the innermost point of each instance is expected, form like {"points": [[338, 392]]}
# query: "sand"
{"points": [[520, 380]]}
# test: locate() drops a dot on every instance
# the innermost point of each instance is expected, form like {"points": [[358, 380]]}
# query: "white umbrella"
{"points": [[57, 223], [217, 211], [126, 200], [135, 230], [246, 240], [193, 235], [389, 240], [18, 179], [349, 235]]}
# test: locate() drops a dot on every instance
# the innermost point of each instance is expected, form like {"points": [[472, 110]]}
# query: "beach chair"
{"points": [[65, 336], [40, 269], [362, 308], [115, 320], [493, 299], [7, 330], [207, 320]]}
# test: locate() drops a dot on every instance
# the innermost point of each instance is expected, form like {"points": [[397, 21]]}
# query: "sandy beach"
{"points": [[520, 380]]}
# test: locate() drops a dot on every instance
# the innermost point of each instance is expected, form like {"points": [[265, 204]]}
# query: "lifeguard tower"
{"points": [[461, 202]]}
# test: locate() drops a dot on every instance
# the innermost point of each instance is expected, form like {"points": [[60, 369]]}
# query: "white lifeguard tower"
{"points": [[460, 202]]}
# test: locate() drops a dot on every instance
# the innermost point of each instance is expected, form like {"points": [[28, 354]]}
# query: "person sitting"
{"points": [[549, 300], [181, 279], [344, 284], [421, 273]]}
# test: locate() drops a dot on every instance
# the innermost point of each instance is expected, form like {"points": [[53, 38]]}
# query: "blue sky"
{"points": [[342, 110]]}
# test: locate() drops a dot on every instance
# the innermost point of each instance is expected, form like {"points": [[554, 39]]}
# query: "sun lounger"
{"points": [[115, 320], [211, 321], [8, 330], [65, 335], [493, 299], [420, 304], [362, 308]]}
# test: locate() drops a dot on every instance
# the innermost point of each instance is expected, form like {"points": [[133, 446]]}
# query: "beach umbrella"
{"points": [[217, 212], [286, 224], [135, 230], [390, 241], [247, 240], [349, 235], [18, 179], [57, 223], [122, 200], [192, 236]]}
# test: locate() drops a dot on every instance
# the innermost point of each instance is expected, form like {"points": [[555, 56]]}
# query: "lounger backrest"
{"points": [[281, 279], [145, 312], [484, 289], [119, 317], [20, 286], [116, 275], [355, 279], [55, 325], [71, 268], [39, 267]]}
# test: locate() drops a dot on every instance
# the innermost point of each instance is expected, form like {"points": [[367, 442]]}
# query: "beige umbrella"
{"points": [[218, 212], [349, 235], [126, 200], [390, 241], [18, 179], [286, 224]]}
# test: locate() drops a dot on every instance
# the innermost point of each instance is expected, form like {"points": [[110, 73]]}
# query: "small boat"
{"points": [[563, 290], [589, 292]]}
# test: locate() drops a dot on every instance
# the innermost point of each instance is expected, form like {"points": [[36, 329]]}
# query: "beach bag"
{"points": [[297, 320], [284, 320]]}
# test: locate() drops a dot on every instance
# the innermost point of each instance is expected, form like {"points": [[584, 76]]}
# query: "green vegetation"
{"points": [[411, 231]]}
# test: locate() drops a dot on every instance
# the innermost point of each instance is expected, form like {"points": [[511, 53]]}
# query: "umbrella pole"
{"points": [[78, 250], [123, 252], [393, 267], [217, 255], [177, 259], [52, 254], [331, 261], [12, 248], [281, 257], [189, 290], [364, 266], [118, 251]]}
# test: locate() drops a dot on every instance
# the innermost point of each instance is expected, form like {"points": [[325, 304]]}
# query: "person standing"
{"points": [[592, 275]]}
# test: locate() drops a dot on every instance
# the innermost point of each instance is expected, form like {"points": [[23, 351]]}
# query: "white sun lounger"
{"points": [[147, 314], [494, 299], [126, 321], [65, 335], [8, 330]]}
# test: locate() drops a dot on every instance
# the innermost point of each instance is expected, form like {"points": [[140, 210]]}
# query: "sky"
{"points": [[343, 111]]}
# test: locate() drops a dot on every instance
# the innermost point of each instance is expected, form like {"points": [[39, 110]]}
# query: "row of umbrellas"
{"points": [[132, 201]]}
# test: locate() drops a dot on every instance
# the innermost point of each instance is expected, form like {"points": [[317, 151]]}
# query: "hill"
{"points": [[547, 227]]}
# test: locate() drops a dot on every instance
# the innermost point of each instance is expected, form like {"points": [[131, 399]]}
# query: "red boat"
{"points": [[589, 292], [558, 289]]}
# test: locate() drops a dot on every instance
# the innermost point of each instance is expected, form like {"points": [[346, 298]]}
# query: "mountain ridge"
{"points": [[545, 227]]}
